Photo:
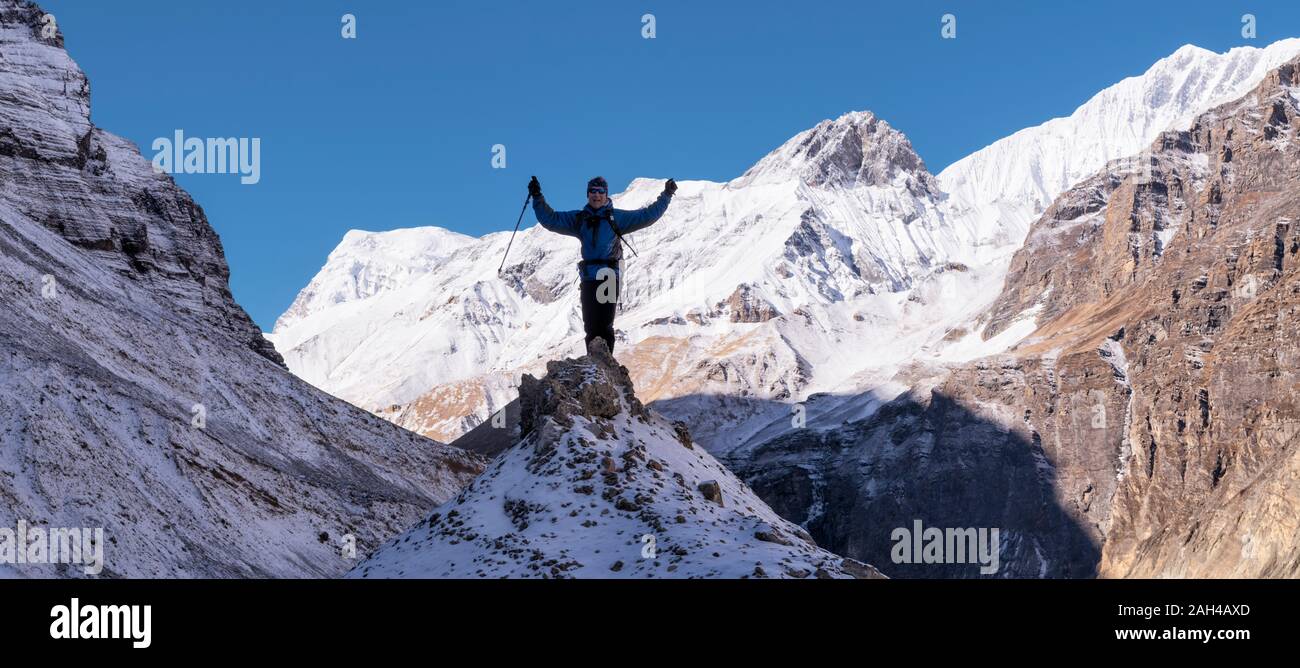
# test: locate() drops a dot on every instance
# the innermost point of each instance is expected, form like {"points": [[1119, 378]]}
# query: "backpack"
{"points": [[592, 221]]}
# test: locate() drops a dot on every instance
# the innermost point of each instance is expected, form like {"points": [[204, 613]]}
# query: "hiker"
{"points": [[600, 227]]}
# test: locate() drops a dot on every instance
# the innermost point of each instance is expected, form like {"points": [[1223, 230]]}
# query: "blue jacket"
{"points": [[599, 243]]}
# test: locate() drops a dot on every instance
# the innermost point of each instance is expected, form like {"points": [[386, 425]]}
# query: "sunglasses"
{"points": [[600, 191]]}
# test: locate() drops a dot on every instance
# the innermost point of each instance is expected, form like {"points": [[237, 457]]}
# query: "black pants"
{"points": [[597, 317]]}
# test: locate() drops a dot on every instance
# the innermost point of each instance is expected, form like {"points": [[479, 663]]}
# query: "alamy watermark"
{"points": [[930, 545], [100, 622], [214, 155], [649, 546], [54, 545], [49, 286], [49, 27]]}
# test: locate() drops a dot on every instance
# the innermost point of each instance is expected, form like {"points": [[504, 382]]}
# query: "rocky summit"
{"points": [[600, 486]]}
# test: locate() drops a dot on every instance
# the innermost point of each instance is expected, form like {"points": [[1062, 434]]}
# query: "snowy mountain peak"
{"points": [[598, 487], [40, 71], [856, 149], [1000, 189], [1186, 51], [365, 264], [761, 287]]}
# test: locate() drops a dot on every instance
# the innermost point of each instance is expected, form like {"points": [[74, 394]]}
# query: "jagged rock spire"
{"points": [[856, 149]]}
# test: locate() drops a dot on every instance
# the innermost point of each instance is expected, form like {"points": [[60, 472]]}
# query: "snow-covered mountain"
{"points": [[1147, 427], [136, 396], [759, 287], [834, 272], [999, 190], [601, 487], [366, 264]]}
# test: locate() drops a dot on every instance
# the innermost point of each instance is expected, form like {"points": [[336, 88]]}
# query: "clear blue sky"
{"points": [[395, 129]]}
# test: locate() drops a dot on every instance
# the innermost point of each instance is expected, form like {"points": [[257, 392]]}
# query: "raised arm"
{"points": [[631, 221], [560, 222]]}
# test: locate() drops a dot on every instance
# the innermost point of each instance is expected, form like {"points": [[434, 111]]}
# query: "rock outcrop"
{"points": [[599, 486]]}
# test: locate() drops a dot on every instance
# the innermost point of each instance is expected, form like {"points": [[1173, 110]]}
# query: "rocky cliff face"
{"points": [[92, 189], [600, 486], [1186, 260], [960, 453], [1148, 426], [135, 394]]}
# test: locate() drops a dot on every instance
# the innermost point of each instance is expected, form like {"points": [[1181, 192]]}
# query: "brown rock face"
{"points": [[745, 306], [1148, 427], [1189, 263]]}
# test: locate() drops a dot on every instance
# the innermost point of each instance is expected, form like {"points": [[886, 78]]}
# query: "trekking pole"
{"points": [[512, 234]]}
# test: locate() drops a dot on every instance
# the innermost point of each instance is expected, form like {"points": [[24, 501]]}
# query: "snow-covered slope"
{"points": [[600, 487], [831, 265], [999, 190], [367, 263], [136, 396]]}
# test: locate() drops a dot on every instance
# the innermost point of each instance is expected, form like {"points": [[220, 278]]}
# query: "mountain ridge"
{"points": [[1146, 427], [136, 395], [754, 294]]}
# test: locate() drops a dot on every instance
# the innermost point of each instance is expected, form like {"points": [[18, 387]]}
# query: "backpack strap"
{"points": [[592, 221]]}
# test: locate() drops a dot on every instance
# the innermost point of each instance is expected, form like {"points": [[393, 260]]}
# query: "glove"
{"points": [[534, 188], [670, 187]]}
